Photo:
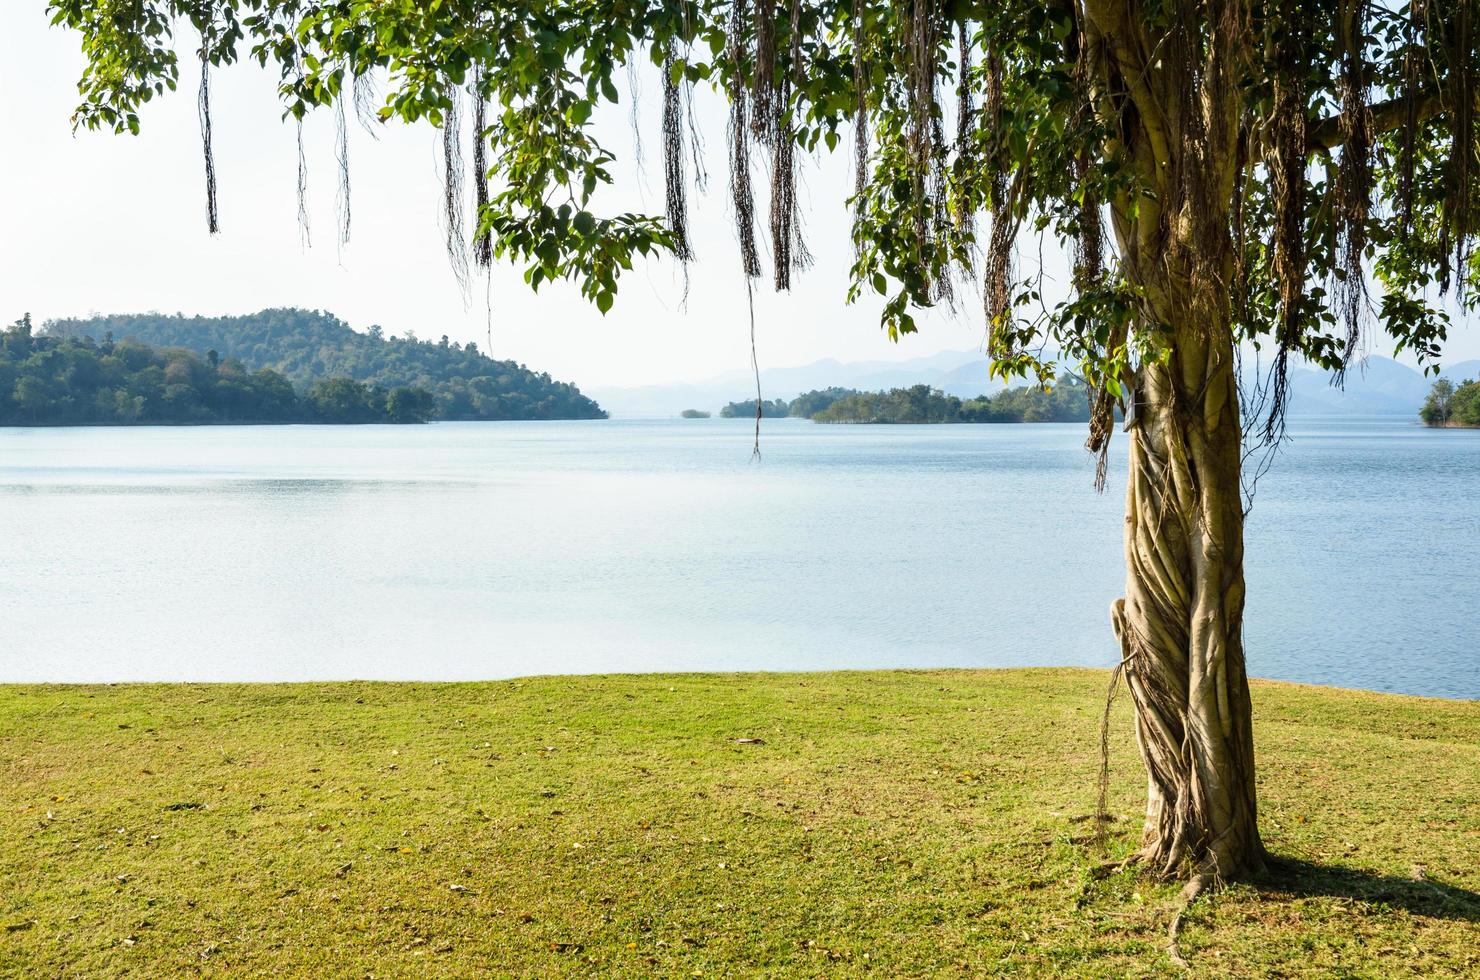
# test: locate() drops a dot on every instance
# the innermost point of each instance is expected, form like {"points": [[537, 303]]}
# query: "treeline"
{"points": [[1066, 401], [1451, 404], [776, 408], [46, 380], [309, 346]]}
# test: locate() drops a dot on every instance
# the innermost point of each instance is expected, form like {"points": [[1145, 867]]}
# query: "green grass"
{"points": [[891, 823]]}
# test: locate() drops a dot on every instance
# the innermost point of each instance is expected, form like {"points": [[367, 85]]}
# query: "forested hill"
{"points": [[307, 346]]}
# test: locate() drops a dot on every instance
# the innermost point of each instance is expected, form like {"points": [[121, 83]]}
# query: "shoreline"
{"points": [[738, 676]]}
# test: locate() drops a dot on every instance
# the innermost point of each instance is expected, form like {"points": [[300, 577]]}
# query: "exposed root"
{"points": [[1100, 872], [1190, 893], [1105, 869]]}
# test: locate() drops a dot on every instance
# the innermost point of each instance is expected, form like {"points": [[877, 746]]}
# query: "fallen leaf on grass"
{"points": [[189, 805], [750, 741], [19, 926]]}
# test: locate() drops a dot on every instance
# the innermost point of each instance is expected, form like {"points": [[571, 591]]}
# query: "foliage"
{"points": [[775, 408], [612, 826], [307, 346], [1449, 404], [75, 380], [694, 413]]}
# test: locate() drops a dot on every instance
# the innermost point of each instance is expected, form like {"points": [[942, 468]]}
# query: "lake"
{"points": [[486, 550]]}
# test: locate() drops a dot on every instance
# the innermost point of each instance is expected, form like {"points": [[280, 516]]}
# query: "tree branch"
{"points": [[1385, 116]]}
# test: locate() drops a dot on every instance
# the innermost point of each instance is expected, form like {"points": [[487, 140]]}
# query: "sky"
{"points": [[101, 223]]}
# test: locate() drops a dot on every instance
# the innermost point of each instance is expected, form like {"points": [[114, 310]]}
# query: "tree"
{"points": [[809, 403], [405, 404], [1243, 152], [1465, 406], [1436, 407]]}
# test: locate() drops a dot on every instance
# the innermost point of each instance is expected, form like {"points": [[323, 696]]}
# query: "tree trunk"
{"points": [[1172, 101], [1180, 622]]}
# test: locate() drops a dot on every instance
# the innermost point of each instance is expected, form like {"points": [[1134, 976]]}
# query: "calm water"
{"points": [[474, 550]]}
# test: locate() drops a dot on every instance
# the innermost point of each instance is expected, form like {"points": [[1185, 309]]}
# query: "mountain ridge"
{"points": [[1376, 385]]}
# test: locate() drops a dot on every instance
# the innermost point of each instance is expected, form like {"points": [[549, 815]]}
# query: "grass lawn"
{"points": [[887, 823]]}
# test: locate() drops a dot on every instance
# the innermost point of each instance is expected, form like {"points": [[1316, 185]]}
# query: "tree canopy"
{"points": [[1334, 142]]}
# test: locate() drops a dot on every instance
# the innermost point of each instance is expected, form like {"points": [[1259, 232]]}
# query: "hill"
{"points": [[306, 346], [883, 824], [68, 380]]}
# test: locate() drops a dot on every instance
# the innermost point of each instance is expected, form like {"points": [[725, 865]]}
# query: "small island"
{"points": [[1452, 406], [1065, 401], [693, 413]]}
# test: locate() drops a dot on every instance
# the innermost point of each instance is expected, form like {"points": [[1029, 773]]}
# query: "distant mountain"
{"points": [[309, 346], [959, 373], [1461, 372], [1374, 386]]}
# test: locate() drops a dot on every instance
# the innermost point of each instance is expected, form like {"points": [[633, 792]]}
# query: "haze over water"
{"points": [[485, 550]]}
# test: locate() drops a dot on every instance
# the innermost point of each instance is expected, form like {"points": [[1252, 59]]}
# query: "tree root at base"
{"points": [[1190, 893]]}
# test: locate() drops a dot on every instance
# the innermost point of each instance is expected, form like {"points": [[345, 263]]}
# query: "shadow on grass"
{"points": [[1419, 895]]}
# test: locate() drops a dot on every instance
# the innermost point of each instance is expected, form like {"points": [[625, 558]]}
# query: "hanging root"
{"points": [[365, 95], [744, 203], [303, 226], [452, 188], [1286, 161], [341, 134], [860, 108], [788, 250], [763, 94], [755, 367], [213, 224], [965, 111], [1102, 805], [674, 182], [634, 116], [482, 240], [1353, 185], [1190, 893]]}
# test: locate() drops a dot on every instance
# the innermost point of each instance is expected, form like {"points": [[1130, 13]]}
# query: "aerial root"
{"points": [[1190, 893]]}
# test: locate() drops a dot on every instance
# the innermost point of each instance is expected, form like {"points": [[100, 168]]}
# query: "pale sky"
{"points": [[115, 224]]}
